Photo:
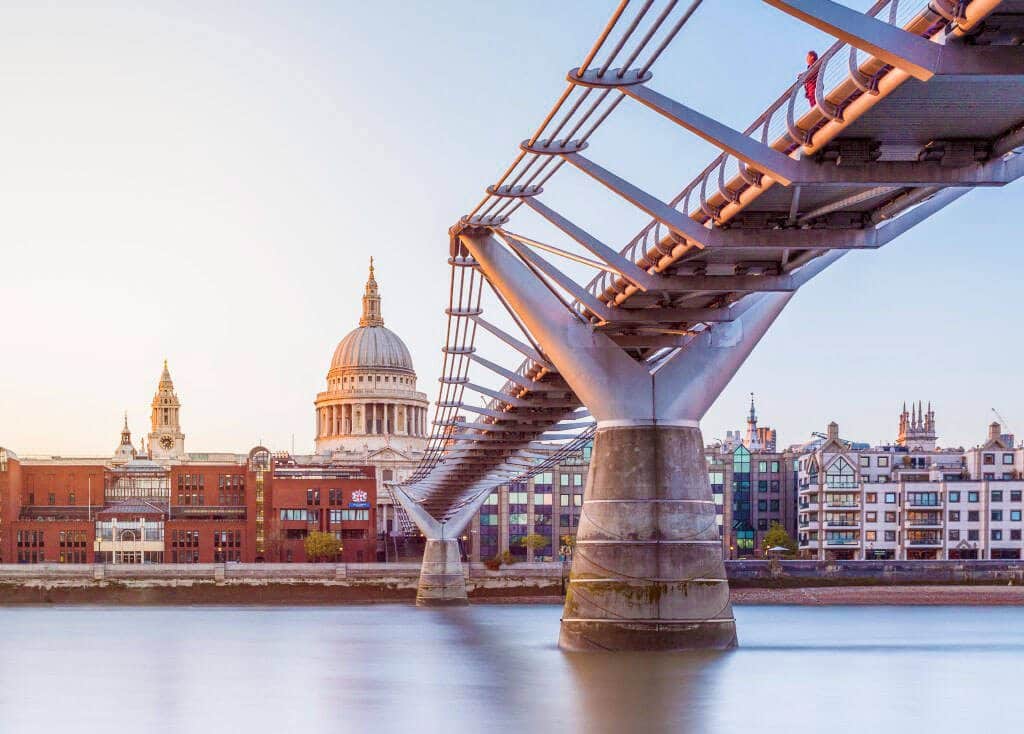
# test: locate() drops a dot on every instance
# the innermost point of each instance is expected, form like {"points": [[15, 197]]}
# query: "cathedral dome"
{"points": [[372, 347]]}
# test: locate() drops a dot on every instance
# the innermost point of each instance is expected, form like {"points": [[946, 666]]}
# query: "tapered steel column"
{"points": [[647, 570]]}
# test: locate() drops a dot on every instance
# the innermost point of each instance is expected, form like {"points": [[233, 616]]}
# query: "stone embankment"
{"points": [[752, 582], [259, 583]]}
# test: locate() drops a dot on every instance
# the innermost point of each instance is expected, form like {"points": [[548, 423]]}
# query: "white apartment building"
{"points": [[911, 500]]}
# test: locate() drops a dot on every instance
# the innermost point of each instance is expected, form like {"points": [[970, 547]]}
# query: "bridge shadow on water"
{"points": [[530, 682]]}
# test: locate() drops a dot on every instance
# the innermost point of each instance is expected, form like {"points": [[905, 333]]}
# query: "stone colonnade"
{"points": [[372, 418]]}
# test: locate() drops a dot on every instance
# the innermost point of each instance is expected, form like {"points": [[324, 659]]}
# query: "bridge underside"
{"points": [[929, 106]]}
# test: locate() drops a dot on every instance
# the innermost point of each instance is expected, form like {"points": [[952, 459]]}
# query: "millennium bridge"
{"points": [[917, 103]]}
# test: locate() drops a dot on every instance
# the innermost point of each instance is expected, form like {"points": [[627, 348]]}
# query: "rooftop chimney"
{"points": [[994, 429]]}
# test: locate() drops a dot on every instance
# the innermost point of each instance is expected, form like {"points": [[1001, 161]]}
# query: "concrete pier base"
{"points": [[442, 582], [647, 571]]}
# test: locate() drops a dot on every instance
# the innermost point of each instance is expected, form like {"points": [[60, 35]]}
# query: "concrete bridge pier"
{"points": [[647, 571], [442, 578], [442, 581]]}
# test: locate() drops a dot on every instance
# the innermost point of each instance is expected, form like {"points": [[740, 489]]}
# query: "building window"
{"points": [[297, 515], [773, 506], [227, 546], [972, 535], [775, 467], [870, 517], [973, 516], [762, 485], [231, 490], [338, 516], [191, 488], [997, 495], [890, 498], [312, 497], [954, 496], [865, 461], [883, 461], [997, 534], [762, 467], [1015, 495], [51, 498], [988, 459], [954, 535], [972, 496], [997, 515], [775, 485], [840, 475], [762, 523], [72, 546], [1014, 515], [1007, 459], [954, 515], [890, 536], [890, 517], [184, 546], [871, 535], [762, 505], [871, 498]]}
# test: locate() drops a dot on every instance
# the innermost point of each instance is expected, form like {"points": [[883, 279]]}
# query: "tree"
{"points": [[777, 536], [322, 546], [534, 541]]}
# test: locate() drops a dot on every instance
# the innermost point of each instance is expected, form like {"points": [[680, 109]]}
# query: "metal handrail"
{"points": [[901, 13]]}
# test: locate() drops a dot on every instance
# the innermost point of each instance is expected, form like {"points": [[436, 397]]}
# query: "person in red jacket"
{"points": [[811, 79]]}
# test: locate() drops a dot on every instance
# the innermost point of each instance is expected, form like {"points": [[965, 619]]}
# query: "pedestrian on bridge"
{"points": [[810, 78]]}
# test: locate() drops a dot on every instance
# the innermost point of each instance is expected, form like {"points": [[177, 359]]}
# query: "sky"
{"points": [[205, 183]]}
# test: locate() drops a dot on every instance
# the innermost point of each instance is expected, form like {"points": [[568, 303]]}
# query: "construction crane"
{"points": [[1002, 421]]}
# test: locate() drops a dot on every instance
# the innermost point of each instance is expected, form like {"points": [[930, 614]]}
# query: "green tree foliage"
{"points": [[777, 536], [322, 546], [534, 541]]}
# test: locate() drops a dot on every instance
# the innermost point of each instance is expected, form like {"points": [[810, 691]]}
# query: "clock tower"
{"points": [[166, 441]]}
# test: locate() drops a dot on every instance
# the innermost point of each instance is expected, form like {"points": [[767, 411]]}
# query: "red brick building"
{"points": [[167, 506], [258, 507]]}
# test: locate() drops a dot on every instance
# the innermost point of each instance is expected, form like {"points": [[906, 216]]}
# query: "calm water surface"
{"points": [[496, 668]]}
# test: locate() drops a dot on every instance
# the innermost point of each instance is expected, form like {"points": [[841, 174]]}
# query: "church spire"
{"points": [[126, 435], [371, 302]]}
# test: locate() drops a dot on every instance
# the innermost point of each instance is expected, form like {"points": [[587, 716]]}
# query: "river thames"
{"points": [[497, 668]]}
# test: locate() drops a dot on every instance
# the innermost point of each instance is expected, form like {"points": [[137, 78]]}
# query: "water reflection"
{"points": [[497, 668], [663, 692]]}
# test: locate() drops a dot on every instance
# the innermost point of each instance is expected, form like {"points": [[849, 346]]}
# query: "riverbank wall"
{"points": [[328, 583]]}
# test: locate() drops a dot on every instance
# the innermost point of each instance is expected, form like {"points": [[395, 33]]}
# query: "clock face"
{"points": [[167, 442]]}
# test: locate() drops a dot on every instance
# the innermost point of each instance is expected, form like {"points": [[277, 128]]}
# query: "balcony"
{"points": [[842, 542], [934, 541], [924, 522], [842, 524], [922, 504], [833, 505]]}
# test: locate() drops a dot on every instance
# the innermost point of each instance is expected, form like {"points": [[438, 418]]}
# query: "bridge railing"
{"points": [[779, 126]]}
